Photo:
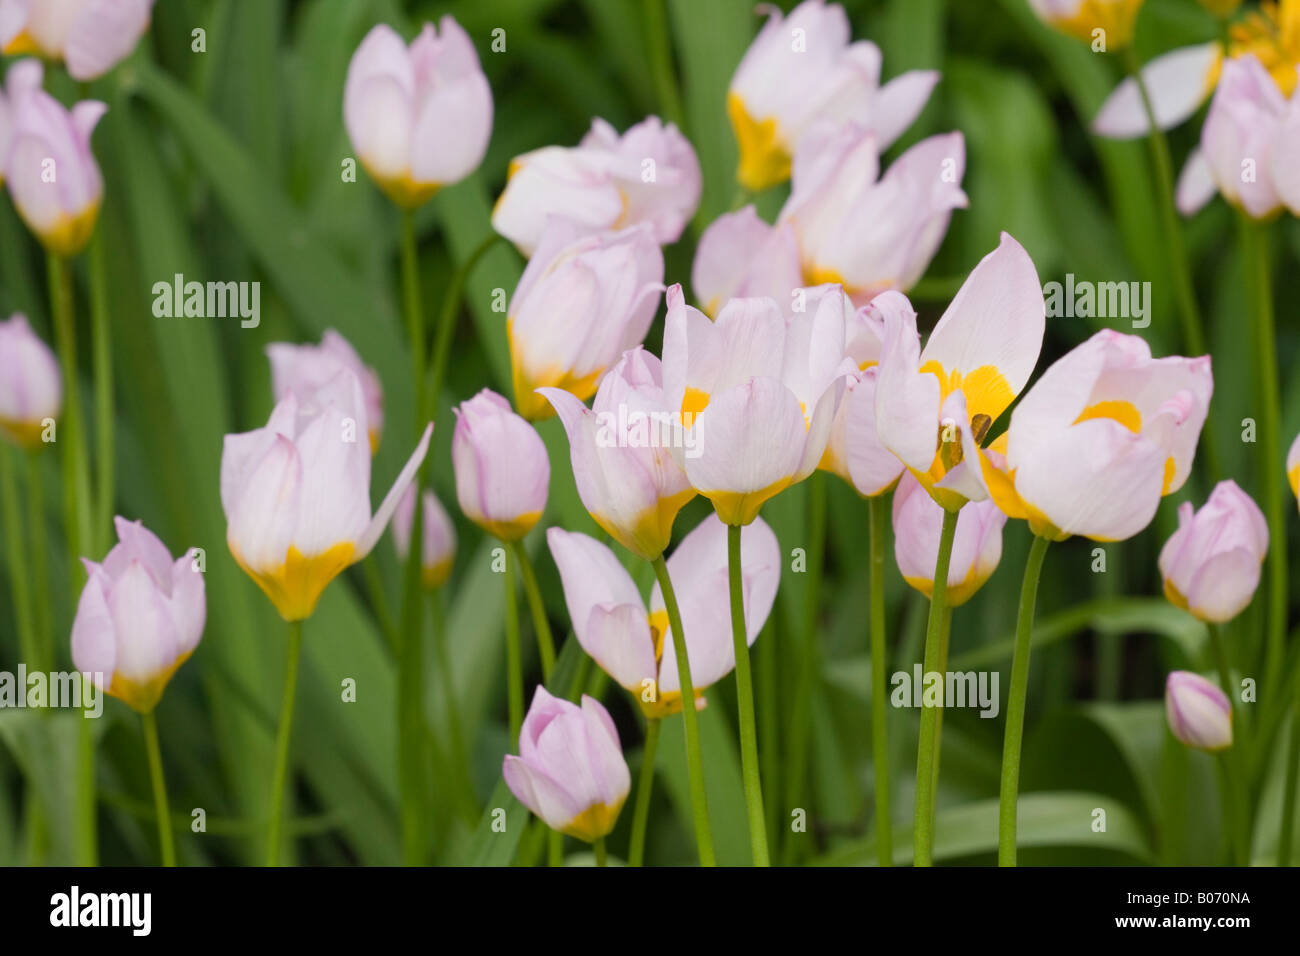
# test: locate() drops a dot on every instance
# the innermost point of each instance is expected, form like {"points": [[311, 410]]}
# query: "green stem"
{"points": [[644, 787], [76, 484], [1236, 808], [878, 517], [384, 617], [413, 312], [661, 61], [11, 511], [928, 742], [690, 718], [945, 629], [599, 848], [38, 559], [554, 848], [102, 359], [514, 660], [165, 842], [1231, 810], [745, 701], [1009, 792], [411, 725], [456, 748], [1287, 832], [280, 772], [447, 319], [545, 642]]}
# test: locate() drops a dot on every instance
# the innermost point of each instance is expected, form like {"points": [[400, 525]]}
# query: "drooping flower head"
{"points": [[1211, 564], [976, 547], [31, 387]]}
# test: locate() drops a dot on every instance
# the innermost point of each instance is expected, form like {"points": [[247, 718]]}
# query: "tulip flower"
{"points": [[31, 389], [1239, 137], [1293, 467], [51, 172], [934, 406], [582, 301], [976, 548], [306, 368], [570, 771], [296, 494], [865, 233], [1100, 438], [1211, 564], [801, 69], [741, 256], [438, 551], [1199, 713], [502, 470], [420, 117], [90, 36], [756, 393], [140, 617], [621, 450], [635, 645], [607, 182], [1111, 21]]}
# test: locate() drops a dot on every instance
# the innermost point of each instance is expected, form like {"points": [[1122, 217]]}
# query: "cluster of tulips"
{"points": [[803, 354]]}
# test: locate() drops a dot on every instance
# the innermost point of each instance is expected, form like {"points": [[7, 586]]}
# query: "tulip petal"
{"points": [[1177, 82], [899, 102], [386, 508], [1196, 184], [94, 648]]}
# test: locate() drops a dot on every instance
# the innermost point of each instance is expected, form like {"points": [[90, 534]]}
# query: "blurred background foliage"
{"points": [[226, 165]]}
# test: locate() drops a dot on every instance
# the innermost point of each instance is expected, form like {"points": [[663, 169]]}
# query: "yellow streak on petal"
{"points": [[403, 190], [534, 407], [142, 696], [21, 45], [1171, 466], [512, 529], [1174, 595], [821, 275], [742, 507], [437, 575], [594, 822], [1293, 477], [694, 401], [295, 586], [69, 234], [764, 159], [25, 434], [1126, 413]]}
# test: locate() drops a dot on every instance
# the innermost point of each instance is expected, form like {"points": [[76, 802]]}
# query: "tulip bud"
{"points": [[297, 494], [51, 172], [31, 389], [582, 301], [1199, 713], [502, 470], [1293, 467], [741, 256], [1211, 564], [419, 118], [570, 771], [438, 544], [976, 546], [307, 368], [90, 36], [140, 617], [1108, 21], [648, 175], [1240, 139]]}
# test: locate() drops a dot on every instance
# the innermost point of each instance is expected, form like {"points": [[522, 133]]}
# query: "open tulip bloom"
{"points": [[90, 36]]}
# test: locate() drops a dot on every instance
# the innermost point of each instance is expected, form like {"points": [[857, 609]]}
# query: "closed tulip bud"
{"points": [[740, 257], [31, 389], [307, 368], [90, 36], [1100, 438], [1240, 140], [1110, 21], [502, 471], [582, 301], [438, 544], [1211, 564], [140, 617], [570, 771], [297, 494], [633, 643], [52, 175], [621, 450], [801, 69], [648, 175], [865, 233], [976, 548], [420, 117], [1199, 713]]}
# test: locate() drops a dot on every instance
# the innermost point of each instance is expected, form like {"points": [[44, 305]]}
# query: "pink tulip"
{"points": [[570, 771], [438, 542], [801, 69], [306, 368], [741, 256], [502, 470], [1211, 564], [976, 548], [297, 494], [1293, 467], [420, 117], [31, 387], [140, 617], [621, 450], [90, 36], [633, 643], [607, 182], [1199, 713], [1240, 135], [582, 302]]}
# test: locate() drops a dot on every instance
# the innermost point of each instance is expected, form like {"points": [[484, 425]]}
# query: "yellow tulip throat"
{"points": [[652, 530], [143, 696], [764, 157], [26, 434], [532, 406], [742, 507], [594, 822], [296, 585], [402, 189]]}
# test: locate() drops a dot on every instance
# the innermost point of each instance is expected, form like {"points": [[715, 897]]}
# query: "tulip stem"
{"points": [[38, 559], [514, 660], [1287, 831], [745, 702], [456, 748], [1237, 842], [102, 359], [165, 841], [447, 319], [690, 719], [945, 629], [545, 642], [928, 741], [878, 517], [554, 848], [644, 786], [1236, 808], [281, 768], [1009, 793], [414, 312], [412, 727], [599, 848], [661, 61], [11, 514]]}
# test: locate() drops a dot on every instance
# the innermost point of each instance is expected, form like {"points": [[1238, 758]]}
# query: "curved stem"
{"points": [[447, 319], [599, 848], [514, 660], [878, 518], [690, 719], [159, 789], [644, 786], [102, 362], [745, 703], [545, 642], [1009, 792], [928, 741], [281, 769]]}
